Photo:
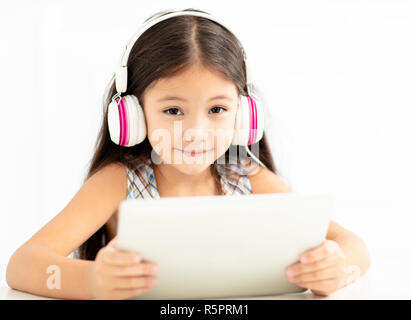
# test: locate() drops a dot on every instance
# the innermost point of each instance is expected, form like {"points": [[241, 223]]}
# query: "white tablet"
{"points": [[223, 246]]}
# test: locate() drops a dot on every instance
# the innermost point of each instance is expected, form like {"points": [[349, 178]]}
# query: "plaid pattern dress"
{"points": [[142, 183]]}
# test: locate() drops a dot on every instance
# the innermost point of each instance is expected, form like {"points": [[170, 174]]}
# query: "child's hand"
{"points": [[116, 274], [323, 269]]}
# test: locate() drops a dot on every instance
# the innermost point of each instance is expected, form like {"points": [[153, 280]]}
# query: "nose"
{"points": [[196, 127]]}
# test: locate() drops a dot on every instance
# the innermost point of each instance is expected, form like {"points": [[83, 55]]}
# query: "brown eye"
{"points": [[174, 110], [218, 108]]}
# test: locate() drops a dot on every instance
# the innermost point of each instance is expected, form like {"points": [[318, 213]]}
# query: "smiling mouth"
{"points": [[194, 153]]}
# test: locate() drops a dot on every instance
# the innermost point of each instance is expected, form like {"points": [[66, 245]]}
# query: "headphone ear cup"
{"points": [[249, 123], [126, 121], [137, 122], [242, 122]]}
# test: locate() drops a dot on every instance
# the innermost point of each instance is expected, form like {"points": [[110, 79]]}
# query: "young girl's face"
{"points": [[189, 113]]}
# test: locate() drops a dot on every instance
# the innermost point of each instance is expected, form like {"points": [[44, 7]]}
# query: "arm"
{"points": [[27, 271], [90, 208], [352, 246], [266, 181]]}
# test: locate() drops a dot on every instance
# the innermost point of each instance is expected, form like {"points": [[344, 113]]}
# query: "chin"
{"points": [[191, 169]]}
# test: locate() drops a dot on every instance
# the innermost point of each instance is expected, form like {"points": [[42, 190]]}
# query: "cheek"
{"points": [[153, 123], [159, 136], [223, 134], [158, 130]]}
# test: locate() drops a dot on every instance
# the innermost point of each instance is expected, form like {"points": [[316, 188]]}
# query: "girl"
{"points": [[189, 71]]}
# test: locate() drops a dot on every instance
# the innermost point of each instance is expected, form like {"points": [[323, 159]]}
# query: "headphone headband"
{"points": [[121, 74]]}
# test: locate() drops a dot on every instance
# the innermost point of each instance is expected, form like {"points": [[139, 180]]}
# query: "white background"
{"points": [[336, 76]]}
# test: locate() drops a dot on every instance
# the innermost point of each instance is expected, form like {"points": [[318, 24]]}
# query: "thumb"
{"points": [[112, 243]]}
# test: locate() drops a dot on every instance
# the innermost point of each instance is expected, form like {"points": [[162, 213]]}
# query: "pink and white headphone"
{"points": [[126, 121]]}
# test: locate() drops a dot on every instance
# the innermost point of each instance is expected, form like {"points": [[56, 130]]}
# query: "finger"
{"points": [[141, 269], [134, 282], [128, 293], [322, 285], [299, 268], [318, 275], [327, 248], [120, 258]]}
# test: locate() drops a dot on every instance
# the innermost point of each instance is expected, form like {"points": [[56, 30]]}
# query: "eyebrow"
{"points": [[167, 98]]}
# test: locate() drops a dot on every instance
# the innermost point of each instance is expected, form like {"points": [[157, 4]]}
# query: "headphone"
{"points": [[126, 120]]}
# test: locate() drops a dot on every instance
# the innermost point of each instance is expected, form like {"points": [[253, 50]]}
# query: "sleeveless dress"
{"points": [[142, 183]]}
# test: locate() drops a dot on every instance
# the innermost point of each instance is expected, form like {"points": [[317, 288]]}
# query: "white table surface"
{"points": [[375, 284], [10, 294]]}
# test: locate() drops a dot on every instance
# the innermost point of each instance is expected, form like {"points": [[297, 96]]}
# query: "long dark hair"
{"points": [[167, 48]]}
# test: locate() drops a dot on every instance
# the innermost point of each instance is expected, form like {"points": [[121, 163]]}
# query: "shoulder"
{"points": [[114, 170], [266, 181], [111, 177]]}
